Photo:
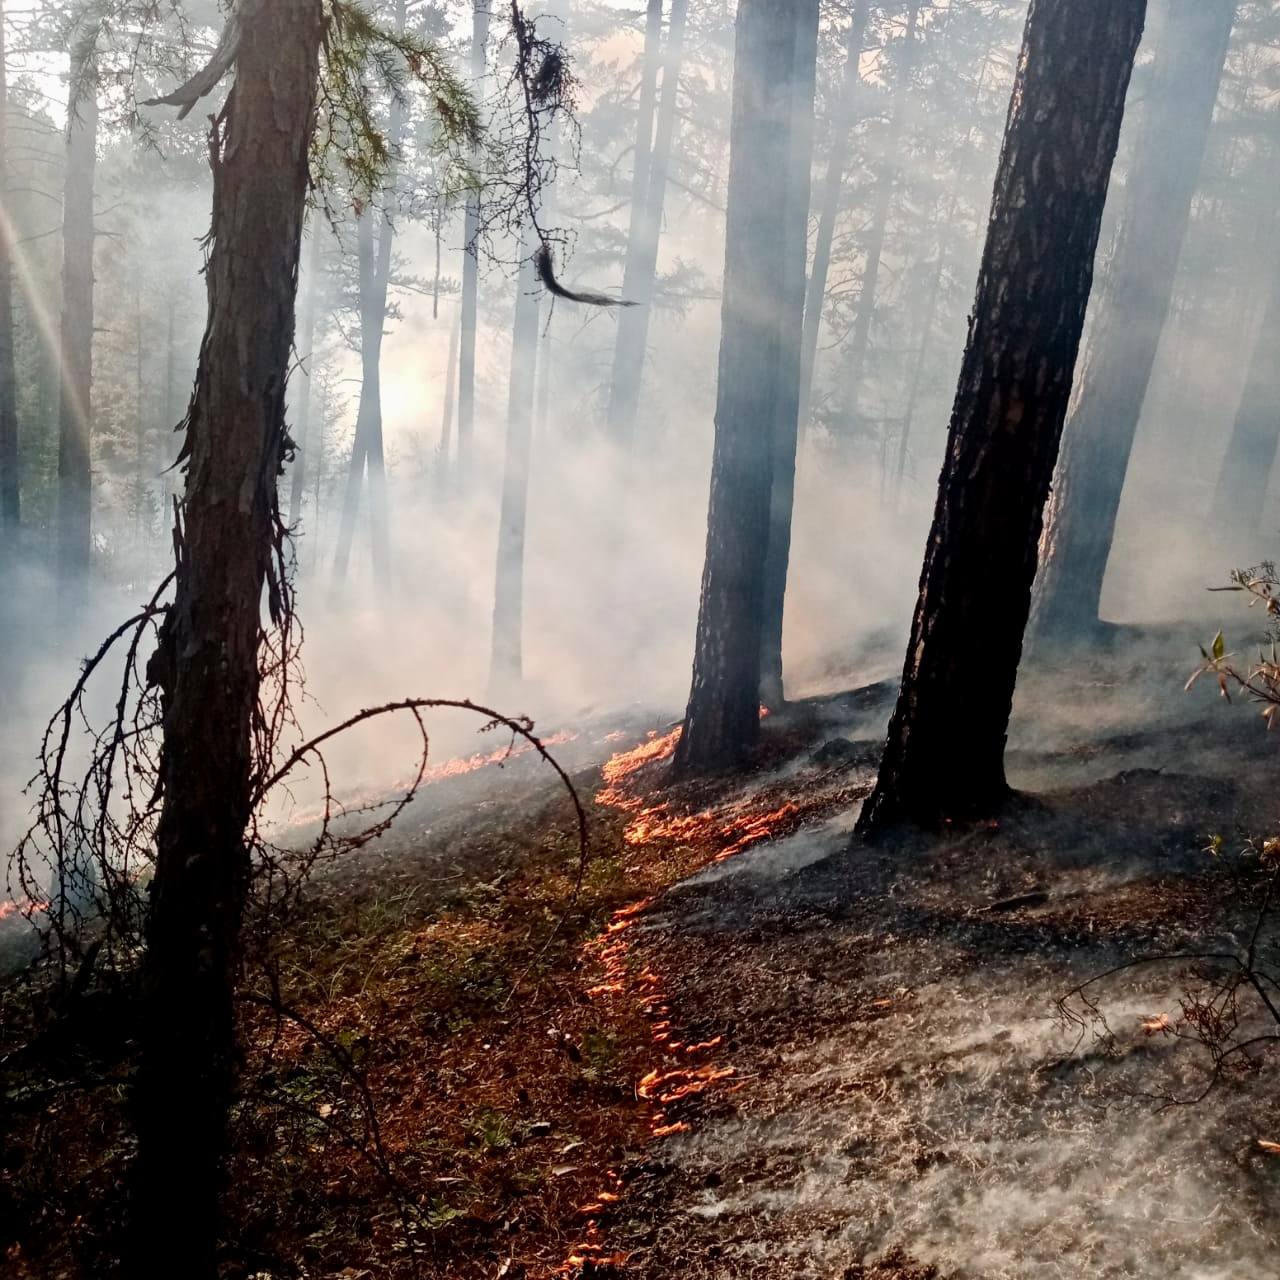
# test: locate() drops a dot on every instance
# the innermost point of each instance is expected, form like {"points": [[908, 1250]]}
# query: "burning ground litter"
{"points": [[746, 1049]]}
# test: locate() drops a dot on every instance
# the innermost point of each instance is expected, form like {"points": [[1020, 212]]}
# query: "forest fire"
{"points": [[26, 907], [461, 765]]}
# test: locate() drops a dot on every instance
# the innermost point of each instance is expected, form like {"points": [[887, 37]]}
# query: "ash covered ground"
{"points": [[908, 1099]]}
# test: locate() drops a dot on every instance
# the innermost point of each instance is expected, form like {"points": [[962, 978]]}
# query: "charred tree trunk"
{"points": [[722, 722], [207, 660], [794, 248], [945, 752], [641, 266], [837, 163], [10, 501], [1081, 518], [1251, 451], [508, 594], [305, 351], [471, 269], [886, 185], [75, 414]]}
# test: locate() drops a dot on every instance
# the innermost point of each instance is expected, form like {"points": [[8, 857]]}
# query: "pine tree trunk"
{"points": [[641, 267], [786, 417], [306, 354], [506, 666], [837, 163], [207, 660], [1251, 451], [75, 413], [886, 185], [722, 722], [1123, 341], [10, 501], [471, 271], [945, 752]]}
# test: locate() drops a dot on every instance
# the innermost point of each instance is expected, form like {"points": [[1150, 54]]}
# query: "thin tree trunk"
{"points": [[306, 355], [1123, 341], [945, 752], [506, 667], [723, 720], [207, 660], [931, 307], [1251, 452], [837, 163], [446, 415], [471, 270], [786, 416], [139, 429], [886, 186], [10, 502], [75, 413], [918, 366], [641, 267], [367, 446]]}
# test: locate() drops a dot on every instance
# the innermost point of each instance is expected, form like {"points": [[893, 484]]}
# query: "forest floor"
{"points": [[743, 1045]]}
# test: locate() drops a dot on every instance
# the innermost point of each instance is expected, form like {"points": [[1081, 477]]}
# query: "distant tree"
{"points": [[1134, 303], [368, 452], [1255, 435], [506, 665], [10, 505], [887, 182], [648, 194], [829, 208], [75, 493], [945, 751], [305, 345], [471, 270], [791, 359], [761, 254]]}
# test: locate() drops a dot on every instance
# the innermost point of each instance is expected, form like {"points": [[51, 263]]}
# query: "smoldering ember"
{"points": [[637, 639]]}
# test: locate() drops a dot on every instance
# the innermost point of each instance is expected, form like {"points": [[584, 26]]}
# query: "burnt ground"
{"points": [[910, 1102], [744, 1045]]}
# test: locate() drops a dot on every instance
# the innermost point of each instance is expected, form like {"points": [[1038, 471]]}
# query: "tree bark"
{"points": [[506, 666], [722, 722], [10, 501], [1081, 518], [787, 410], [75, 413], [471, 270], [1251, 451], [886, 185], [207, 660], [944, 756], [833, 184], [641, 267], [305, 353]]}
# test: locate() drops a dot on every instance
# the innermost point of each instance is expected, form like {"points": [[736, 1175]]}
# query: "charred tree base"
{"points": [[888, 818]]}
